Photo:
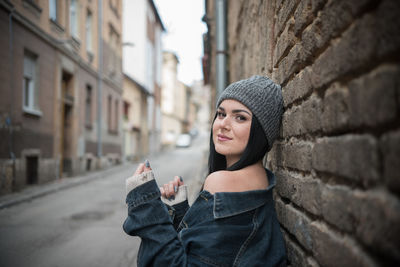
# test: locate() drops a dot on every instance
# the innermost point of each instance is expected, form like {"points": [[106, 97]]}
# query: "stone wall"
{"points": [[337, 158]]}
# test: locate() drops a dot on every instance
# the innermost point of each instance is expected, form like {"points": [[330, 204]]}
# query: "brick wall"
{"points": [[337, 158]]}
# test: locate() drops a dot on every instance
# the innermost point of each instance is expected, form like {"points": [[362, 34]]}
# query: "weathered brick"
{"points": [[273, 157], [284, 43], [351, 156], [373, 36], [311, 262], [294, 155], [388, 25], [372, 98], [295, 61], [362, 102], [311, 39], [291, 122], [378, 221], [283, 15], [335, 207], [302, 16], [297, 88], [280, 208], [278, 5], [335, 115], [302, 119], [335, 17], [296, 223], [390, 151], [282, 72], [303, 191], [296, 256], [354, 50], [333, 249], [373, 215], [317, 5]]}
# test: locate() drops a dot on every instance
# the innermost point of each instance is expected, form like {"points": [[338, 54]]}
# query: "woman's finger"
{"points": [[162, 191], [171, 189], [178, 180], [139, 169], [176, 184], [166, 190], [147, 165]]}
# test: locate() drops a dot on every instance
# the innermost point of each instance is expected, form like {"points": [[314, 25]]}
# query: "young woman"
{"points": [[233, 221]]}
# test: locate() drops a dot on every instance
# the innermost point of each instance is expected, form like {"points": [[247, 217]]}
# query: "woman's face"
{"points": [[231, 130]]}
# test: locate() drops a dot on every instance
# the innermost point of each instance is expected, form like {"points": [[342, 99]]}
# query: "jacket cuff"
{"points": [[137, 180], [180, 196]]}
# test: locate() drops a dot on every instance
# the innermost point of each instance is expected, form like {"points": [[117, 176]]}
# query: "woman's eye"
{"points": [[241, 118], [220, 114]]}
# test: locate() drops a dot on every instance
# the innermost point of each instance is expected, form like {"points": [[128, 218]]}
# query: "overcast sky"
{"points": [[182, 20]]}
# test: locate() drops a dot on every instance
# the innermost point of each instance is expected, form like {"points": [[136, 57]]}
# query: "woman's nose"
{"points": [[225, 123]]}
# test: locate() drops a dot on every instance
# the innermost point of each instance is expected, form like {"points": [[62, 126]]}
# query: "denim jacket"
{"points": [[224, 229]]}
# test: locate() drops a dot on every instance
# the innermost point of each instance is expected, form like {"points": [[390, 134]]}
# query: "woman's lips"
{"points": [[223, 138]]}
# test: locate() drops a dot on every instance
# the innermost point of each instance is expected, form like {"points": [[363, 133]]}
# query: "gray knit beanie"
{"points": [[263, 97]]}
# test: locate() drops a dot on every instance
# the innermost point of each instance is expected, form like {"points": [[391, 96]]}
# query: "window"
{"points": [[116, 115], [88, 107], [30, 98], [32, 164], [109, 118], [53, 10], [73, 18], [88, 26], [126, 110]]}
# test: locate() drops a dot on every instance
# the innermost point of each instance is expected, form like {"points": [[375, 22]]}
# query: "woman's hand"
{"points": [[169, 190]]}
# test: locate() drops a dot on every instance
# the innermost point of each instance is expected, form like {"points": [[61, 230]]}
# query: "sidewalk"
{"points": [[39, 190]]}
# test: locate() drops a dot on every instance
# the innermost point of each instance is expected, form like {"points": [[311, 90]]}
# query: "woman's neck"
{"points": [[230, 161]]}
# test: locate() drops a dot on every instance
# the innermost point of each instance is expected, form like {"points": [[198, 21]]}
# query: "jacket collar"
{"points": [[232, 203]]}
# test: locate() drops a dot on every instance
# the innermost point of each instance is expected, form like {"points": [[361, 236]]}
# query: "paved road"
{"points": [[82, 225]]}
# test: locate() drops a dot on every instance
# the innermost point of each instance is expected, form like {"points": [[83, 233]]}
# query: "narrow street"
{"points": [[82, 225]]}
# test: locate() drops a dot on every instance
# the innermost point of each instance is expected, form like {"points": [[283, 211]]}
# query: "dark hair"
{"points": [[256, 148]]}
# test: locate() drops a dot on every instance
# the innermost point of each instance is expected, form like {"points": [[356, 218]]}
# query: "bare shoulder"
{"points": [[219, 181], [236, 181]]}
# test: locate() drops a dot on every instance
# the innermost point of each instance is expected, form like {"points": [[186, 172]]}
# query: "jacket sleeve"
{"points": [[149, 219], [178, 206]]}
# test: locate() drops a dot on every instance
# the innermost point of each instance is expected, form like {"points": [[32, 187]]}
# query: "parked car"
{"points": [[183, 140]]}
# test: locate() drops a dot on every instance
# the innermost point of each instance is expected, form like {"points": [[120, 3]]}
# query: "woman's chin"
{"points": [[221, 150]]}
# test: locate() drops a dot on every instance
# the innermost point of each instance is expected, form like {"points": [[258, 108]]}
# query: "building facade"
{"points": [[175, 101], [200, 108], [336, 160], [135, 129], [61, 89], [143, 59]]}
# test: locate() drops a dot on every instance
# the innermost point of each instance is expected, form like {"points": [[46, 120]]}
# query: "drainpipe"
{"points": [[99, 79], [220, 11], [9, 122], [11, 65]]}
